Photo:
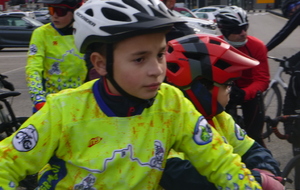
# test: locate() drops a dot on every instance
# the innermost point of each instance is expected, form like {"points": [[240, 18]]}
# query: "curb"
{"points": [[275, 13]]}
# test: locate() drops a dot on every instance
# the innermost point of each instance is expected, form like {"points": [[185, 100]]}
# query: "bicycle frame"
{"points": [[278, 79]]}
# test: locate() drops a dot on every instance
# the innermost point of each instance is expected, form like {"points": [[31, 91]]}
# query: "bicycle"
{"points": [[291, 172], [9, 123], [272, 96]]}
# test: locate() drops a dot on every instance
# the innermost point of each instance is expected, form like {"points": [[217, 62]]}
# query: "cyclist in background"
{"points": [[53, 62], [233, 24], [117, 131], [208, 65]]}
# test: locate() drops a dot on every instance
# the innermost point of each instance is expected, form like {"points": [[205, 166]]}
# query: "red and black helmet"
{"points": [[204, 56]]}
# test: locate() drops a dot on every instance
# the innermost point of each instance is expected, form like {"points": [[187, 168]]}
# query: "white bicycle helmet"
{"points": [[114, 20], [231, 17]]}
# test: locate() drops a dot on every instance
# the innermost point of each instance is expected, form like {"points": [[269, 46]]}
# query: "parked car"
{"points": [[43, 10], [206, 16], [212, 9], [185, 12], [43, 18], [199, 25], [28, 14], [16, 30]]}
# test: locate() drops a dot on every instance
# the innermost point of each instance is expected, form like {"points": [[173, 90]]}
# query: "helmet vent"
{"points": [[222, 64], [157, 13], [89, 12], [173, 67], [170, 49], [136, 5], [214, 42], [112, 14], [194, 55]]}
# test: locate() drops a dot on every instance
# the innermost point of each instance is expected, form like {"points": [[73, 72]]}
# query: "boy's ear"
{"points": [[99, 63]]}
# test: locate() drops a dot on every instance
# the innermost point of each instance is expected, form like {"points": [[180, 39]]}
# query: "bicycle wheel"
{"points": [[273, 106], [291, 173]]}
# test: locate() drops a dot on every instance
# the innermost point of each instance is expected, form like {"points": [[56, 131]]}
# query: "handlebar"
{"points": [[277, 59], [283, 63]]}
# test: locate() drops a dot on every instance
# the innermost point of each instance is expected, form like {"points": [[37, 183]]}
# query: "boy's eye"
{"points": [[138, 60], [161, 55]]}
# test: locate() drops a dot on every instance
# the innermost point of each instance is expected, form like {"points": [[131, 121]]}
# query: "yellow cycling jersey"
{"points": [[87, 149], [232, 134], [53, 63]]}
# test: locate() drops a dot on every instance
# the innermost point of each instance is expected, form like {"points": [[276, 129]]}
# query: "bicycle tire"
{"points": [[272, 101], [291, 173]]}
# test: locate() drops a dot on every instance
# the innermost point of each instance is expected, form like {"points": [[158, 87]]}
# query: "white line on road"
{"points": [[13, 70], [12, 56]]}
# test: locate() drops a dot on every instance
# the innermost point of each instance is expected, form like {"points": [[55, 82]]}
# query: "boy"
{"points": [[116, 132], [208, 66]]}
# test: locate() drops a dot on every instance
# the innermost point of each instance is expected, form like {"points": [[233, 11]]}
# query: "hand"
{"points": [[236, 95], [39, 105], [269, 181]]}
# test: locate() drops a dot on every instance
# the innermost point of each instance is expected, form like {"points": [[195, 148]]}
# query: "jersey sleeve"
{"points": [[233, 133], [260, 73], [211, 156], [34, 68], [25, 152]]}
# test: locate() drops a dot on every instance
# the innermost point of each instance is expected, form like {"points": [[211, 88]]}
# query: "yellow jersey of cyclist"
{"points": [[54, 63], [204, 68], [116, 131]]}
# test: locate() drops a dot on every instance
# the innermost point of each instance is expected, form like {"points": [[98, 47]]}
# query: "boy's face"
{"points": [[140, 65]]}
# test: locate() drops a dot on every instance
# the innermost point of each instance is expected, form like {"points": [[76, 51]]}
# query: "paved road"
{"points": [[262, 25]]}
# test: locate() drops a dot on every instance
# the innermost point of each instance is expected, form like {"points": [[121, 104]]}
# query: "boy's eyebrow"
{"points": [[144, 52]]}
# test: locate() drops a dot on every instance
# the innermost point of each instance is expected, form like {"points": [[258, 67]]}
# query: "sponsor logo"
{"points": [[86, 19], [202, 133], [25, 139]]}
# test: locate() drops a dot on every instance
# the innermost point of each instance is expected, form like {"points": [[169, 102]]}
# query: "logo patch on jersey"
{"points": [[32, 49], [87, 183], [25, 139], [239, 132], [12, 184], [202, 133]]}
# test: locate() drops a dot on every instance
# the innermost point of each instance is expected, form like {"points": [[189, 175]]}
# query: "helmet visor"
{"points": [[60, 11]]}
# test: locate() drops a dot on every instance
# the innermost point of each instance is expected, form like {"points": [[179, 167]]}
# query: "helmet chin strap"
{"points": [[109, 76]]}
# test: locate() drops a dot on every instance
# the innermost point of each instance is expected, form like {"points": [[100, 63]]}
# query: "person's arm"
{"points": [[253, 155], [261, 158], [288, 28], [208, 152], [260, 74], [30, 148], [35, 68]]}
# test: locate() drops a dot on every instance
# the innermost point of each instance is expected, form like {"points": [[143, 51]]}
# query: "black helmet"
{"points": [[231, 17], [285, 7], [70, 3]]}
